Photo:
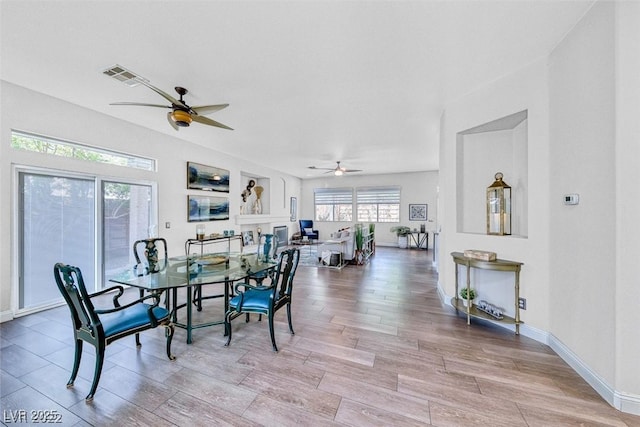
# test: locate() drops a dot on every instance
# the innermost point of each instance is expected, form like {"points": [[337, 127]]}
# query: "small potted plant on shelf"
{"points": [[467, 299], [402, 232]]}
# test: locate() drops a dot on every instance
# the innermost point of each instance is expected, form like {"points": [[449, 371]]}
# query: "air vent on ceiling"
{"points": [[123, 75]]}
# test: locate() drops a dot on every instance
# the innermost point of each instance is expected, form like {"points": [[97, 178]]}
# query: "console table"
{"points": [[497, 265], [211, 240], [419, 238]]}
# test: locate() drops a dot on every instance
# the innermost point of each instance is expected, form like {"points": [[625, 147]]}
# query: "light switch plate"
{"points": [[571, 199]]}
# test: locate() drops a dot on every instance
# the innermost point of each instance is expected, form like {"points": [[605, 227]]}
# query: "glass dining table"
{"points": [[191, 271]]}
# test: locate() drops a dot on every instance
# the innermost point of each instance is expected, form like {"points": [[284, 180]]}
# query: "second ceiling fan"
{"points": [[337, 171], [181, 114]]}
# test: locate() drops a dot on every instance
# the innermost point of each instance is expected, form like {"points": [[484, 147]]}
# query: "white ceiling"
{"points": [[308, 82]]}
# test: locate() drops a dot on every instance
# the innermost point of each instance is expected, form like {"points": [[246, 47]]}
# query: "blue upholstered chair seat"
{"points": [[266, 299], [251, 300], [130, 318]]}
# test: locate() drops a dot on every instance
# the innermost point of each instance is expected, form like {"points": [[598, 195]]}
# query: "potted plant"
{"points": [[359, 243], [467, 299], [402, 232]]}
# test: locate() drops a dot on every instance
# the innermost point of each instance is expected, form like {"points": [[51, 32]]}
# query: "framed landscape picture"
{"points": [[209, 178], [417, 212], [207, 208]]}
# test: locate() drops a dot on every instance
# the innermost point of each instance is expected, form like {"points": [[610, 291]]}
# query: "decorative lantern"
{"points": [[499, 207]]}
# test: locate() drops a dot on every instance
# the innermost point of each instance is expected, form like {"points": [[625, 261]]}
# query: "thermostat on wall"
{"points": [[571, 199]]}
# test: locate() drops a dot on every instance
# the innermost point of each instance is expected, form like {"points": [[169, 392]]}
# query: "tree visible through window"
{"points": [[40, 144], [333, 204], [378, 204]]}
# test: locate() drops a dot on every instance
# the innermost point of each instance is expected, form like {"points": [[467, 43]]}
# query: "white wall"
{"points": [[582, 160], [525, 89], [25, 110], [580, 276], [416, 188], [627, 345]]}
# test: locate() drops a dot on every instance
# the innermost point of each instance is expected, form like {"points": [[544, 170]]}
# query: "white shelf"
{"points": [[260, 219]]}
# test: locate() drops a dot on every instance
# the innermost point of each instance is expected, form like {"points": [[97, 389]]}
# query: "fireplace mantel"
{"points": [[260, 219]]}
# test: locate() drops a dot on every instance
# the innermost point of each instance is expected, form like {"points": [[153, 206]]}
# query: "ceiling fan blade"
{"points": [[208, 121], [322, 169], [162, 93], [351, 170], [140, 104], [206, 109], [171, 122]]}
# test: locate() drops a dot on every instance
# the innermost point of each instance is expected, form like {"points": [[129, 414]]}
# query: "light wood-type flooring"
{"points": [[374, 346]]}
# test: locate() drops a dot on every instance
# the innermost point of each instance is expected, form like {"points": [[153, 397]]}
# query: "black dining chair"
{"points": [[147, 249], [100, 327], [266, 299]]}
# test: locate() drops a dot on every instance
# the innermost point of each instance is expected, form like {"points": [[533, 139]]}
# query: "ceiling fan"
{"points": [[337, 171], [181, 114]]}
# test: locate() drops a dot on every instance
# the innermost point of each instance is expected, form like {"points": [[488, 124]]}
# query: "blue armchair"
{"points": [[306, 229]]}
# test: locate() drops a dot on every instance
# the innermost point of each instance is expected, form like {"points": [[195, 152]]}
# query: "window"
{"points": [[333, 204], [60, 221], [378, 204], [41, 144]]}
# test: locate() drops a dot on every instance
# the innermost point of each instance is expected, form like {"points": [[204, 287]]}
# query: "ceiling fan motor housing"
{"points": [[182, 118]]}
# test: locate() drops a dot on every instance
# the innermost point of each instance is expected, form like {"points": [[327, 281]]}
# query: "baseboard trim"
{"points": [[623, 402], [5, 316]]}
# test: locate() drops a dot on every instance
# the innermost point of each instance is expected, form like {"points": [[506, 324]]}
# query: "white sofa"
{"points": [[343, 241]]}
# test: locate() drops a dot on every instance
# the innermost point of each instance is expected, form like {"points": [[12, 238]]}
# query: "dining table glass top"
{"points": [[193, 270]]}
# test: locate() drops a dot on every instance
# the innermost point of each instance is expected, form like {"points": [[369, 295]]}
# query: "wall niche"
{"points": [[497, 146]]}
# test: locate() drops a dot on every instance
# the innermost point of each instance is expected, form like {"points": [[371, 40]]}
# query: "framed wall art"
{"points": [[209, 178], [417, 212], [207, 208], [293, 209]]}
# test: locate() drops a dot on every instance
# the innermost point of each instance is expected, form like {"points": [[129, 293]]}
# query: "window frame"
{"points": [[102, 155], [389, 195], [339, 199]]}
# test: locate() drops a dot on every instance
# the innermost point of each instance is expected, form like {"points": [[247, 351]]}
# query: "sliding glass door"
{"points": [[126, 212], [62, 219], [57, 224]]}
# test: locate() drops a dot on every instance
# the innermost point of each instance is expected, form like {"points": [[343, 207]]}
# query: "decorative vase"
{"points": [[403, 242], [467, 302], [257, 205], [267, 247], [151, 253]]}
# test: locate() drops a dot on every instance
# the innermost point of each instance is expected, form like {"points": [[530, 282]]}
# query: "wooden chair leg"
{"points": [[227, 328], [76, 363], [272, 332], [289, 318], [170, 329], [98, 371]]}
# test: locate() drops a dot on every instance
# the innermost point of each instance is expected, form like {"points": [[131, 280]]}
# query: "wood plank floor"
{"points": [[373, 347]]}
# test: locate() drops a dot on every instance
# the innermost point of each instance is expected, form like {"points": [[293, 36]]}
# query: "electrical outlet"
{"points": [[167, 224], [522, 303]]}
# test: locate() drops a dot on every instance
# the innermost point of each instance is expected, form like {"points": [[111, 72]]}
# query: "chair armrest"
{"points": [[120, 289], [249, 286], [155, 297]]}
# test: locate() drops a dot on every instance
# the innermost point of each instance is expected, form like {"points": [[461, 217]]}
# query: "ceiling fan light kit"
{"points": [[181, 118]]}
